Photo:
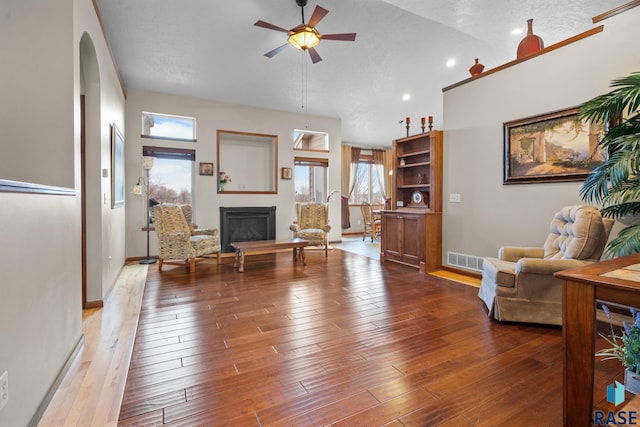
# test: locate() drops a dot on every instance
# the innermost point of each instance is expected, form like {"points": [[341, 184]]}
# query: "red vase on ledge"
{"points": [[531, 43], [476, 68]]}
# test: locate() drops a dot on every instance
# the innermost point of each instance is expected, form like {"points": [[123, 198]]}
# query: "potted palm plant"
{"points": [[625, 348], [615, 184]]}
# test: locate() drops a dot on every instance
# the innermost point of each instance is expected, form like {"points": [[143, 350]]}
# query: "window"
{"points": [[368, 187], [310, 177], [171, 177], [310, 140], [165, 126]]}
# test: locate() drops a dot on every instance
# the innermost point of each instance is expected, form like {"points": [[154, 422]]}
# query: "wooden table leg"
{"points": [[578, 302], [304, 261], [295, 254], [241, 268]]}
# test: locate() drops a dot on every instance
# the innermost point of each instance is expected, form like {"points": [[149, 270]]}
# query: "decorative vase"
{"points": [[530, 43], [476, 68], [631, 381]]}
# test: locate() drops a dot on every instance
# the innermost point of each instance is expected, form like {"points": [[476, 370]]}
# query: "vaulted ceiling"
{"points": [[211, 49]]}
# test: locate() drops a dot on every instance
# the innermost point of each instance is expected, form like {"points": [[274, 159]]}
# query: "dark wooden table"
{"points": [[581, 288], [268, 246]]}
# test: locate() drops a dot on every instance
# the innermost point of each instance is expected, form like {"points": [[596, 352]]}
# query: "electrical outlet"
{"points": [[454, 197], [4, 389]]}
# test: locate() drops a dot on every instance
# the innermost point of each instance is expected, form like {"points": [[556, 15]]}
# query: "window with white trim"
{"points": [[166, 126], [311, 179], [368, 188], [171, 177]]}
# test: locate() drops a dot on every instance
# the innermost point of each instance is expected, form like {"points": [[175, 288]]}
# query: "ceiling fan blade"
{"points": [[313, 53], [270, 26], [318, 13], [276, 51], [348, 37]]}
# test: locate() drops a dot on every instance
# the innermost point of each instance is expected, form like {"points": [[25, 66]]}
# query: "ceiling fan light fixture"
{"points": [[303, 37]]}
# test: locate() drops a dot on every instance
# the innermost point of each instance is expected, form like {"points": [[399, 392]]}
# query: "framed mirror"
{"points": [[247, 162]]}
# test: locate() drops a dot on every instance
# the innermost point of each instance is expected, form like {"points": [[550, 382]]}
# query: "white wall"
{"points": [[491, 214], [40, 234], [210, 116]]}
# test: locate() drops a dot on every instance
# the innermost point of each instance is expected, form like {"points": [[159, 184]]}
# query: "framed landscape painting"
{"points": [[551, 147]]}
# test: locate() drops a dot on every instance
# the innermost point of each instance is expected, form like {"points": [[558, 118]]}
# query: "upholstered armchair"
{"points": [[520, 285], [179, 243], [312, 224]]}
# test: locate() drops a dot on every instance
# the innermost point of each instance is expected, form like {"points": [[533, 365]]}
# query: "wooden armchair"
{"points": [[312, 224], [372, 225], [179, 243]]}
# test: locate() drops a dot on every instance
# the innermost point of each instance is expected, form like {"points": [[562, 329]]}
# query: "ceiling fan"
{"points": [[305, 36]]}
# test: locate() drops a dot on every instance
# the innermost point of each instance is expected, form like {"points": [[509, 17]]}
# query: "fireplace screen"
{"points": [[244, 224]]}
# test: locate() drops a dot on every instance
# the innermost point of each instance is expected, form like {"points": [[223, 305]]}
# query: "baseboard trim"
{"points": [[93, 304], [37, 416], [462, 271]]}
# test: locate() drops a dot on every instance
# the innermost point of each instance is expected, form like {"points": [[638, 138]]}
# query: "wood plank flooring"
{"points": [[90, 393], [345, 341]]}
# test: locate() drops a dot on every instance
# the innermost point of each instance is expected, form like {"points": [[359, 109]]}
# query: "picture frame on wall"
{"points": [[552, 147], [287, 173], [206, 169], [117, 168]]}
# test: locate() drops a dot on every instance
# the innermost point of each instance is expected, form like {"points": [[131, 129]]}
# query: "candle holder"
{"points": [[430, 122], [422, 127], [408, 126]]}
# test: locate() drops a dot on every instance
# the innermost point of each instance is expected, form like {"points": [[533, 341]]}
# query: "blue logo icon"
{"points": [[615, 393]]}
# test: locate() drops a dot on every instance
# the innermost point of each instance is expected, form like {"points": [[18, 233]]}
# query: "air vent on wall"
{"points": [[464, 261]]}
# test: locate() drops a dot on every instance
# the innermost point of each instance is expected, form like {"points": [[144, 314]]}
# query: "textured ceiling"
{"points": [[211, 49]]}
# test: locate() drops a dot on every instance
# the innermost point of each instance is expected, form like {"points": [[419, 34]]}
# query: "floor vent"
{"points": [[464, 261]]}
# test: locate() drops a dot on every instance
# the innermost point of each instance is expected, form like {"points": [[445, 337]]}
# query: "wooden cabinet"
{"points": [[412, 232], [412, 237], [418, 167]]}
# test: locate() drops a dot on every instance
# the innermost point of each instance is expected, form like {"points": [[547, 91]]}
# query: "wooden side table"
{"points": [[581, 288]]}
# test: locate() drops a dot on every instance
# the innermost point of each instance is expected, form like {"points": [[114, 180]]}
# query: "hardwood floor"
{"points": [[345, 341], [90, 393]]}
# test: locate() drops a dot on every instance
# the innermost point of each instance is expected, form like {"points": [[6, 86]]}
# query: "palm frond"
{"points": [[626, 243], [615, 184], [613, 104]]}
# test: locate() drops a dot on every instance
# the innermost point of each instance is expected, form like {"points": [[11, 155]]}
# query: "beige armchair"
{"points": [[312, 224], [179, 243], [520, 285]]}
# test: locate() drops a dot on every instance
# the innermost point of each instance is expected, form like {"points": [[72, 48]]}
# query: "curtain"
{"points": [[355, 166], [379, 163], [389, 179], [350, 166], [344, 185]]}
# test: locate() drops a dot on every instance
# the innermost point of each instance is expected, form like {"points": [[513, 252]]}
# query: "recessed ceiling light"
{"points": [[517, 31], [406, 97], [451, 62]]}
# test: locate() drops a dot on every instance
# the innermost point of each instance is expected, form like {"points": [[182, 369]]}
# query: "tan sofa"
{"points": [[520, 285]]}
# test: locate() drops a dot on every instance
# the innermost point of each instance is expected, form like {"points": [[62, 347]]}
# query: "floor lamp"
{"points": [[147, 164]]}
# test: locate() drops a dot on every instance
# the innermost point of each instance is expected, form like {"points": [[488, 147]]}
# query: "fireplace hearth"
{"points": [[244, 224]]}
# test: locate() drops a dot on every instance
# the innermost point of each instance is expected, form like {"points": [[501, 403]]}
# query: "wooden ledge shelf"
{"points": [[553, 47]]}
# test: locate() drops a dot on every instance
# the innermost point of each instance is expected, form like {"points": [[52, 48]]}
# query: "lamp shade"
{"points": [[304, 37], [147, 162], [137, 189]]}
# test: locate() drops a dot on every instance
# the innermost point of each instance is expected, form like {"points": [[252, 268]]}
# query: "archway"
{"points": [[91, 183]]}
